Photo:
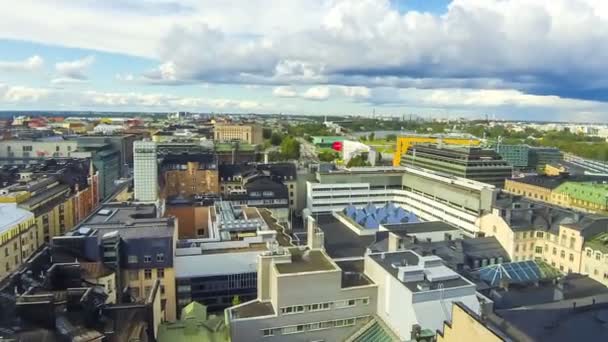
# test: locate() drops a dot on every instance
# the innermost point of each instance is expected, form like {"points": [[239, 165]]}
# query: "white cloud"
{"points": [[20, 94], [318, 93], [356, 92], [30, 64], [284, 91], [75, 69]]}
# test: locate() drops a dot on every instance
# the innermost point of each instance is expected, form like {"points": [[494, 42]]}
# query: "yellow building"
{"points": [[251, 134], [18, 238], [532, 231], [141, 282], [466, 325], [403, 143]]}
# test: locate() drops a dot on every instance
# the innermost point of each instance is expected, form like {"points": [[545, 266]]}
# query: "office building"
{"points": [[405, 142], [145, 169], [429, 195], [303, 295], [122, 143], [515, 155], [131, 241], [482, 165], [247, 133], [540, 156]]}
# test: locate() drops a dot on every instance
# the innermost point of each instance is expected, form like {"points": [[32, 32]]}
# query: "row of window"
{"points": [[133, 259], [302, 328], [339, 304]]}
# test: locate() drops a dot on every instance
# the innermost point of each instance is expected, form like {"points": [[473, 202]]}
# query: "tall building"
{"points": [[474, 163], [405, 142], [248, 133], [145, 170]]}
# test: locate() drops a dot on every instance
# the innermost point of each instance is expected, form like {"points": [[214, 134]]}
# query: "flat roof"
{"points": [[306, 261], [254, 308], [340, 241], [206, 265], [388, 259], [353, 273], [121, 213], [11, 215], [419, 227]]}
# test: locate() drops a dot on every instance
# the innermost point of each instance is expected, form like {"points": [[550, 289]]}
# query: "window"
{"points": [[598, 256], [539, 234], [589, 253], [572, 241], [562, 254], [162, 290], [160, 257], [6, 251], [365, 301], [160, 273], [554, 251], [517, 248], [289, 330], [147, 259], [571, 257], [525, 235], [147, 273], [132, 259], [538, 249], [523, 247], [267, 332], [8, 267]]}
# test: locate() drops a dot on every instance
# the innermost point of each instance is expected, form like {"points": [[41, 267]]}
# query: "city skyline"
{"points": [[512, 59]]}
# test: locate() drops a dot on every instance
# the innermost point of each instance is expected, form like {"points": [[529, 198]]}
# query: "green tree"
{"points": [[359, 160], [236, 300], [290, 148], [266, 133], [276, 139], [327, 156], [391, 137], [371, 137]]}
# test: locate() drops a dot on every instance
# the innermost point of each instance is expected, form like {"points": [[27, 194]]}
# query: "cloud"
{"points": [[20, 94], [76, 69], [319, 93], [284, 91], [30, 64], [356, 92]]}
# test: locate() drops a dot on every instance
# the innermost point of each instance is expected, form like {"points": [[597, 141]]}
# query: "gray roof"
{"points": [[306, 261], [484, 248], [208, 265], [341, 241], [121, 213], [420, 227]]}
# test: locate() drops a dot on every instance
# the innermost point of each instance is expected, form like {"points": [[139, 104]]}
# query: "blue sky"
{"points": [[513, 59]]}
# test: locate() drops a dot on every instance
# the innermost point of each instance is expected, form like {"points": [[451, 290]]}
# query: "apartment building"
{"points": [[582, 192], [482, 165], [431, 196], [134, 243], [250, 133], [535, 231], [303, 296], [18, 237]]}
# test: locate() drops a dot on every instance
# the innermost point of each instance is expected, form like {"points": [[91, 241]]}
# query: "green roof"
{"points": [[227, 147], [598, 242], [194, 326], [596, 193]]}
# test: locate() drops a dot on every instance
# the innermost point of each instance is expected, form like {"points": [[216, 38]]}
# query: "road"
{"points": [[308, 152]]}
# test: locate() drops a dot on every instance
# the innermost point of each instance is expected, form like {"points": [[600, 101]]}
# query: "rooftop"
{"points": [[189, 266], [11, 215], [341, 241], [436, 276], [306, 261], [598, 242], [253, 308], [121, 213], [419, 227], [352, 273]]}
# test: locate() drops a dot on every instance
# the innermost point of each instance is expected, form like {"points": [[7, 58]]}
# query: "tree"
{"points": [[266, 133], [357, 161], [327, 156], [290, 148], [391, 137], [236, 300], [276, 139], [372, 135]]}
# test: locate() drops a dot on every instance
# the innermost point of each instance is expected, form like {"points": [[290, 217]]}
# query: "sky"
{"points": [[508, 59]]}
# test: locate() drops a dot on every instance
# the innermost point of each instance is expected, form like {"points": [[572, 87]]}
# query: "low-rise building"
{"points": [[249, 133]]}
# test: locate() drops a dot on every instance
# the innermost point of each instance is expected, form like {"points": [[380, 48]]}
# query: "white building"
{"points": [[145, 171], [430, 195]]}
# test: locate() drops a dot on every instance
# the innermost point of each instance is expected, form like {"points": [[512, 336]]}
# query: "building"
{"points": [[326, 141], [51, 147], [249, 133], [431, 196], [303, 295], [46, 300], [18, 239], [515, 155], [584, 192], [188, 176], [482, 165], [145, 169], [236, 152], [534, 231], [106, 161], [123, 143], [134, 243], [540, 156], [405, 142], [594, 260]]}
